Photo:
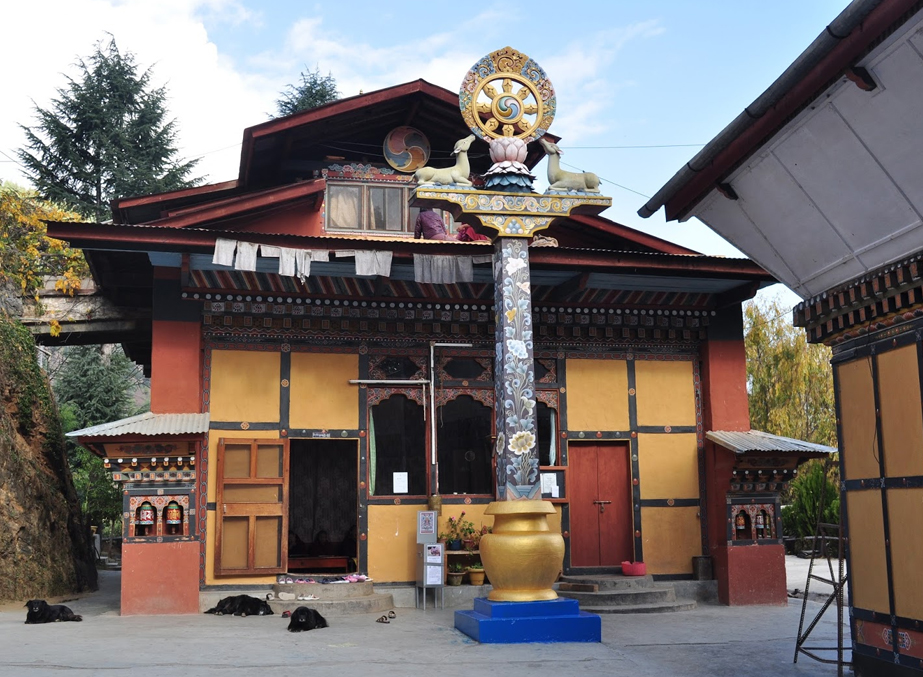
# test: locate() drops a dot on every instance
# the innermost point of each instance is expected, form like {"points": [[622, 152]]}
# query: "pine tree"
{"points": [[315, 90], [105, 136]]}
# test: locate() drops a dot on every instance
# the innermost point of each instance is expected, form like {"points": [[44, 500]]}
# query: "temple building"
{"points": [[319, 375]]}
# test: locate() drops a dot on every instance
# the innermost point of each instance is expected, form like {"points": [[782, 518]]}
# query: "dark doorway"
{"points": [[323, 505]]}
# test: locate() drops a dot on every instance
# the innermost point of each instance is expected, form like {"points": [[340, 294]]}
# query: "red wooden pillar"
{"points": [[176, 355], [746, 574]]}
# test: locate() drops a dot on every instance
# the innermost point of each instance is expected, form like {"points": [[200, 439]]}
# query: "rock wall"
{"points": [[44, 548]]}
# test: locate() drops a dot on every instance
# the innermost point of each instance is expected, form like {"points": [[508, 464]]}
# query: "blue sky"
{"points": [[627, 73]]}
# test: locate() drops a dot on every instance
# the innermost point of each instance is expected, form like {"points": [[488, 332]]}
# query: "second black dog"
{"points": [[241, 605], [41, 611], [304, 618]]}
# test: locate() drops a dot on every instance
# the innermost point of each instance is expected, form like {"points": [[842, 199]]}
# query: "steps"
{"points": [[334, 599], [617, 594]]}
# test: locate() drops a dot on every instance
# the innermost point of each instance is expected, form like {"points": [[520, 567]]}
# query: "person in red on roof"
{"points": [[466, 233], [429, 226]]}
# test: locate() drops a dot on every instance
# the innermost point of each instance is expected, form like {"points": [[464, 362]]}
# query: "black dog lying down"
{"points": [[241, 605], [41, 611], [304, 618]]}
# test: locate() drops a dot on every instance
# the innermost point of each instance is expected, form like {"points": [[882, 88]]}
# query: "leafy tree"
{"points": [[93, 387], [789, 381], [27, 254], [315, 90], [105, 136]]}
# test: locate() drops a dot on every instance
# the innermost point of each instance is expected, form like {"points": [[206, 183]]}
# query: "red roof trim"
{"points": [[212, 211], [637, 236], [129, 202], [754, 137]]}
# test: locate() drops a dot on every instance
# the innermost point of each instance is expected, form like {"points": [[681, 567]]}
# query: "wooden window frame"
{"points": [[252, 510]]}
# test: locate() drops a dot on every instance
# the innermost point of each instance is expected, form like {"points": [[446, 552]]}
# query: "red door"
{"points": [[600, 505]]}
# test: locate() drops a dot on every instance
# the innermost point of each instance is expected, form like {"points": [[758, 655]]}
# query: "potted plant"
{"points": [[455, 574], [457, 530], [476, 573]]}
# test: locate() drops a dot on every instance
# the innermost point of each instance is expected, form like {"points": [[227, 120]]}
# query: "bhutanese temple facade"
{"points": [[319, 375]]}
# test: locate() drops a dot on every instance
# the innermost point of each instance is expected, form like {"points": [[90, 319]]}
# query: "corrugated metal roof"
{"points": [[757, 440], [148, 424]]}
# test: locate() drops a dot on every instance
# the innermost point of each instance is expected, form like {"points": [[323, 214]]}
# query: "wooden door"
{"points": [[601, 523], [252, 524]]}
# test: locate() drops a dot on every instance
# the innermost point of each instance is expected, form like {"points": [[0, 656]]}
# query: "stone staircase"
{"points": [[334, 599], [616, 594]]}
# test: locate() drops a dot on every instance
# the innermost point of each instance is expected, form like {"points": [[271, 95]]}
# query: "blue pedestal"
{"points": [[557, 620]]}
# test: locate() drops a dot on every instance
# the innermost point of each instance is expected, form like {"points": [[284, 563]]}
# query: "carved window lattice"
{"points": [[485, 397], [549, 397], [378, 395], [409, 367], [485, 363], [550, 368]]}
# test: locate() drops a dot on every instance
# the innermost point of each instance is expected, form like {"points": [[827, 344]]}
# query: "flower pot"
{"points": [[476, 576], [522, 556], [454, 577], [454, 545], [634, 568]]}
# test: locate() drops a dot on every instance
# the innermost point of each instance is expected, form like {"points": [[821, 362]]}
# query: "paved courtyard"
{"points": [[711, 641]]}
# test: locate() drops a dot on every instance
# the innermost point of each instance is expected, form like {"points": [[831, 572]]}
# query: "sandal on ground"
{"points": [[383, 619], [391, 614]]}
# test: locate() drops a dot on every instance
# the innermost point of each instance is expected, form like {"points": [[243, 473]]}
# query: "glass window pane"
{"points": [[464, 447], [385, 208], [399, 445], [269, 461], [463, 368], [237, 460], [267, 542], [344, 207], [235, 541], [252, 493]]}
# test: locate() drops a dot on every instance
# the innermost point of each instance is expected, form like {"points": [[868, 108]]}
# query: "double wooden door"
{"points": [[601, 523]]}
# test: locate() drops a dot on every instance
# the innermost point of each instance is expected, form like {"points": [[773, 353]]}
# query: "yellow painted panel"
{"points": [[858, 443], [668, 465], [665, 393], [322, 396], [901, 422], [392, 542], [213, 437], [905, 513], [210, 578], [671, 538], [597, 395], [244, 386], [868, 575]]}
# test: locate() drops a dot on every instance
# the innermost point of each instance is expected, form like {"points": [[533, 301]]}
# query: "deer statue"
{"points": [[449, 175], [559, 179]]}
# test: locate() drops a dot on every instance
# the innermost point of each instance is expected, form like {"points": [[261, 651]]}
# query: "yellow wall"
{"points": [[597, 395], [321, 395], [668, 466], [671, 538], [859, 443], [210, 526], [665, 393], [244, 386], [901, 422], [905, 513], [868, 574]]}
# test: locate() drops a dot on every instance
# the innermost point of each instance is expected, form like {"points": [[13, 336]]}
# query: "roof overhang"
{"points": [[818, 180], [745, 442]]}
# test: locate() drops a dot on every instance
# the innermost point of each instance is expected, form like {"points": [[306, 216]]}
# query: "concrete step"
{"points": [[658, 608], [611, 582], [327, 591], [630, 597], [374, 603]]}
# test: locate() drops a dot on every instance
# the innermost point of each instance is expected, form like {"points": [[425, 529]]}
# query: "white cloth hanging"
{"points": [[442, 269], [246, 256], [373, 263], [224, 251]]}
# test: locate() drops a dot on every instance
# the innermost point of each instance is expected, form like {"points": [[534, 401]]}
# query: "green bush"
{"points": [[815, 480]]}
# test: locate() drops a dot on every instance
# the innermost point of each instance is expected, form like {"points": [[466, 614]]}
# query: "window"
{"points": [[397, 444], [463, 439], [377, 208], [547, 434]]}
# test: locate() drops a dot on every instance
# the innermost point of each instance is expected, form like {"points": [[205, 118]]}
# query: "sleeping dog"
{"points": [[41, 611], [304, 618], [241, 605]]}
